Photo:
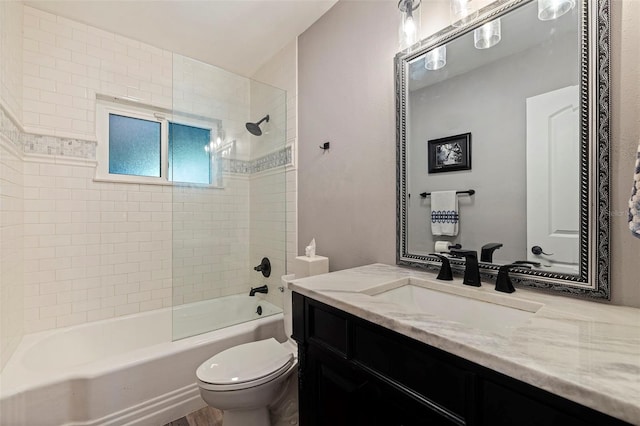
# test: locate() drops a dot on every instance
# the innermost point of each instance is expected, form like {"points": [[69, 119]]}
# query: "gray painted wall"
{"points": [[489, 102], [346, 197]]}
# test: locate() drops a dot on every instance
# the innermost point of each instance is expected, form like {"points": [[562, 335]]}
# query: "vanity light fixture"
{"points": [[436, 58], [409, 26], [462, 12], [553, 9], [487, 35]]}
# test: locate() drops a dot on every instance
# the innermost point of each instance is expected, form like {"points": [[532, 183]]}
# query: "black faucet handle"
{"points": [[445, 273], [503, 281], [264, 267], [486, 253]]}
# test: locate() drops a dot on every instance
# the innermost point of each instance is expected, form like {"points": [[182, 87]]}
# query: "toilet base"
{"points": [[256, 417]]}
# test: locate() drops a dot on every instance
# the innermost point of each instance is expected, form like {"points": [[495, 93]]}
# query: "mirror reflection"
{"points": [[495, 116]]}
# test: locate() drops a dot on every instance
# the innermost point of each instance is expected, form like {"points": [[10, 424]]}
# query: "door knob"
{"points": [[537, 250]]}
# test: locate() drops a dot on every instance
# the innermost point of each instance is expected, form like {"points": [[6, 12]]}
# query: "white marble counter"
{"points": [[584, 351]]}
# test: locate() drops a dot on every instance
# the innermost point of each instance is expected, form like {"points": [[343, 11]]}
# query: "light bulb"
{"points": [[462, 12], [410, 29], [436, 58], [409, 26], [553, 9], [487, 35]]}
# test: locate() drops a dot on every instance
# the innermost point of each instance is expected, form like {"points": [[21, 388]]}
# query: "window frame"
{"points": [[104, 109]]}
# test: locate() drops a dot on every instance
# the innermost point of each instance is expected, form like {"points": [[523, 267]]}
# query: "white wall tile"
{"points": [[103, 249]]}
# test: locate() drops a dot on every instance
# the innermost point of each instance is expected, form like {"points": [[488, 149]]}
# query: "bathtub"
{"points": [[126, 370]]}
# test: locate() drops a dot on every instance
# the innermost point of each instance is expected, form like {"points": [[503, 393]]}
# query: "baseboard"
{"points": [[157, 411]]}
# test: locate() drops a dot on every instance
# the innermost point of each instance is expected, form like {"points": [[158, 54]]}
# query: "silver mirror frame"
{"points": [[593, 277]]}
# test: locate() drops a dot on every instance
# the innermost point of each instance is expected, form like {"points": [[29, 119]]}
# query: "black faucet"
{"points": [[471, 268], [445, 273], [263, 289], [486, 253], [264, 267], [503, 282]]}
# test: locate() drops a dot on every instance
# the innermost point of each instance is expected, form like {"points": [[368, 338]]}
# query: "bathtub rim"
{"points": [[16, 378]]}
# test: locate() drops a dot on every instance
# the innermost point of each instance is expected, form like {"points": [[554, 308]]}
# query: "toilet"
{"points": [[245, 379]]}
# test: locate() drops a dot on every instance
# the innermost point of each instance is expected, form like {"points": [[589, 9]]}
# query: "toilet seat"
{"points": [[244, 366]]}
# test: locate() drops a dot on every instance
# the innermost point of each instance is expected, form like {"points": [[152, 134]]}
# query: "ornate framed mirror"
{"points": [[532, 100]]}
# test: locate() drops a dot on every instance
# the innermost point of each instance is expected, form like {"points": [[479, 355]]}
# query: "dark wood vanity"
{"points": [[354, 372]]}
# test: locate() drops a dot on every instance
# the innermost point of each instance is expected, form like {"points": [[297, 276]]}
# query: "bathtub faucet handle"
{"points": [[263, 289], [264, 267]]}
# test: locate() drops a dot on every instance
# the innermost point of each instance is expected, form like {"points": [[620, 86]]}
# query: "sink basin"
{"points": [[494, 313]]}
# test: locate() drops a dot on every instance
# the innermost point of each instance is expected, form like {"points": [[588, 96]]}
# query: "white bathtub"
{"points": [[125, 370]]}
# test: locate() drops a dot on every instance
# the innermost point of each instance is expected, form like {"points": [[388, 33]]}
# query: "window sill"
{"points": [[152, 181]]}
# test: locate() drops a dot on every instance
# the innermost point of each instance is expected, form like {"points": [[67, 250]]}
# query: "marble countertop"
{"points": [[585, 351]]}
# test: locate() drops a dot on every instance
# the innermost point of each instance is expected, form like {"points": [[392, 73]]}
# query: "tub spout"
{"points": [[264, 289]]}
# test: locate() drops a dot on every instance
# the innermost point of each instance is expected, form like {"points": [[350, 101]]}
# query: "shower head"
{"points": [[254, 128]]}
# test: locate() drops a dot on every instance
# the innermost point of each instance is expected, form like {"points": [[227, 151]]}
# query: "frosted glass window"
{"points": [[134, 146], [188, 160]]}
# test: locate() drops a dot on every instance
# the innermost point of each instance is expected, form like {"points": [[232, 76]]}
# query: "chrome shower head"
{"points": [[254, 128]]}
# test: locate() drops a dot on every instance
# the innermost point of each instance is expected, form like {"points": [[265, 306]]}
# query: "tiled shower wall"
{"points": [[96, 250], [93, 250], [11, 182], [11, 54], [11, 258], [66, 63]]}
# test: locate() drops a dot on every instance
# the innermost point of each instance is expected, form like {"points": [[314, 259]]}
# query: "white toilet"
{"points": [[245, 379]]}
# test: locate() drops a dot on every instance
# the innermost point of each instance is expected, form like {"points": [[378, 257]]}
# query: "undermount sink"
{"points": [[495, 313]]}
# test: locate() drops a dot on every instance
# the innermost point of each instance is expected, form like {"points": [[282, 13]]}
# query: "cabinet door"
{"points": [[338, 394], [505, 406], [331, 392]]}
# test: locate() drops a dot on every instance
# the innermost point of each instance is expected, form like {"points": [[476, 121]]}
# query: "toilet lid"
{"points": [[245, 363]]}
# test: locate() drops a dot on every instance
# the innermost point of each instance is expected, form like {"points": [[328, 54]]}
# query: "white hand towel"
{"points": [[634, 201], [444, 213]]}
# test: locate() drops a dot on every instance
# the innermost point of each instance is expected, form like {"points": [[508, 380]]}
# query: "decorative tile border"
{"points": [[10, 130], [78, 148], [272, 160], [64, 147], [230, 165], [45, 145]]}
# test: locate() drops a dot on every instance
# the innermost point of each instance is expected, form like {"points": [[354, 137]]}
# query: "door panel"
{"points": [[553, 145]]}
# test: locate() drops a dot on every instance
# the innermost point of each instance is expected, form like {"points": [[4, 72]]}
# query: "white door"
{"points": [[553, 158]]}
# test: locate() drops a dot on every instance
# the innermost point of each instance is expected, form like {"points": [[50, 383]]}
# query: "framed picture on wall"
{"points": [[449, 154]]}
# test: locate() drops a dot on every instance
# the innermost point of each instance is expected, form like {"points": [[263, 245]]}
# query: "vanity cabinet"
{"points": [[353, 372]]}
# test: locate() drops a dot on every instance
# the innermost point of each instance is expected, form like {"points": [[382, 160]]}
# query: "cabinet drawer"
{"points": [[414, 367], [328, 327]]}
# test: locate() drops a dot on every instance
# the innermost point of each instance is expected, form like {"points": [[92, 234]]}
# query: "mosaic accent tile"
{"points": [[9, 129], [230, 165], [45, 145], [270, 161], [65, 147]]}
